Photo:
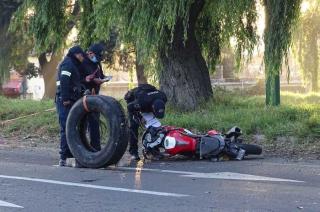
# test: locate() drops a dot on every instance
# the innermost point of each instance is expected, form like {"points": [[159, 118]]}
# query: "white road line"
{"points": [[216, 175], [8, 204], [94, 186], [238, 176], [292, 164]]}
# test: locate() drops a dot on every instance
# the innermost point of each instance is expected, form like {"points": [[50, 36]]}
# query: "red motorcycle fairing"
{"points": [[177, 141]]}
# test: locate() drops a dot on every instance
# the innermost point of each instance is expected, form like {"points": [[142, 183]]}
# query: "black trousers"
{"points": [[63, 112], [94, 130], [133, 134]]}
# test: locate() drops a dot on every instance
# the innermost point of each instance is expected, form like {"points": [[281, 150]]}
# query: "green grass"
{"points": [[298, 116], [13, 108], [42, 124]]}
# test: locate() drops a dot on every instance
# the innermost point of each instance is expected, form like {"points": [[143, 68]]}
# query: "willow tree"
{"points": [[178, 36], [281, 17], [307, 44]]}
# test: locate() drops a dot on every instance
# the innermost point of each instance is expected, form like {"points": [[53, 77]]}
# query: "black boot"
{"points": [[134, 155], [152, 154]]}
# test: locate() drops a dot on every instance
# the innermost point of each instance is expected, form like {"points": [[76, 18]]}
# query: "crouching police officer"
{"points": [[68, 91], [144, 103]]}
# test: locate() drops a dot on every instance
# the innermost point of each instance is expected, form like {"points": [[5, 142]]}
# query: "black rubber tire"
{"points": [[118, 137], [122, 147], [251, 149]]}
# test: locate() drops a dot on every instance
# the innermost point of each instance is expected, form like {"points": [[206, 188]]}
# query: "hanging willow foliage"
{"points": [[87, 23], [281, 17], [150, 24], [222, 20], [306, 45], [45, 21]]}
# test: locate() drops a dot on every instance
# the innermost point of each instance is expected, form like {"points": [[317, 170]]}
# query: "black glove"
{"points": [[133, 107]]}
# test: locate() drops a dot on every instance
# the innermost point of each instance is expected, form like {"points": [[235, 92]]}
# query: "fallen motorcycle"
{"points": [[170, 141]]}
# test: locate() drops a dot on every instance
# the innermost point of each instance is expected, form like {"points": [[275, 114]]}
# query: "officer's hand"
{"points": [[66, 103], [97, 81], [90, 77]]}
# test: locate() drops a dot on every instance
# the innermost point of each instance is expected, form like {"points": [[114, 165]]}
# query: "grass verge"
{"points": [[295, 125]]}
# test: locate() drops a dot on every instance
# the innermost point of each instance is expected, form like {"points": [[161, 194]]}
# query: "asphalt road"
{"points": [[30, 181]]}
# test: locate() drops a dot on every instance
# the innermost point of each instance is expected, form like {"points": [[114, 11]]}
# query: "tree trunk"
{"points": [[228, 63], [185, 77], [141, 78], [48, 71], [272, 89], [314, 63], [272, 74], [7, 9], [315, 86], [140, 74]]}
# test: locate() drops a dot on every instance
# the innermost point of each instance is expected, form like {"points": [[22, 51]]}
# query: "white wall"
{"points": [[36, 87]]}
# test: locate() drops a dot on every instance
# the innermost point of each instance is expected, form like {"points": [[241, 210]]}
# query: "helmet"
{"points": [[158, 108]]}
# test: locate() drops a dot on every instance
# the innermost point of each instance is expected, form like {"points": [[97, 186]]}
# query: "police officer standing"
{"points": [[93, 77], [92, 68], [68, 91]]}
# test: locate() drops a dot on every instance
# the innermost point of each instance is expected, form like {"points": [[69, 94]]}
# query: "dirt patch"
{"points": [[29, 141], [289, 147], [283, 147]]}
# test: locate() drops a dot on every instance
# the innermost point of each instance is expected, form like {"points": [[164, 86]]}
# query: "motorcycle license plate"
{"points": [[241, 154]]}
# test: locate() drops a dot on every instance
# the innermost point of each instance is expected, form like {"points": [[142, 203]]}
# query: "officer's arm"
{"points": [[102, 76], [65, 84]]}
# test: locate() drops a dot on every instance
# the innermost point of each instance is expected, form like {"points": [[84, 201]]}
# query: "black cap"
{"points": [[97, 49], [76, 50], [158, 108]]}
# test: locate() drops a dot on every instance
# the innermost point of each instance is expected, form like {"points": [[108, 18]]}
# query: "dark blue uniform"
{"points": [[68, 89], [88, 67]]}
